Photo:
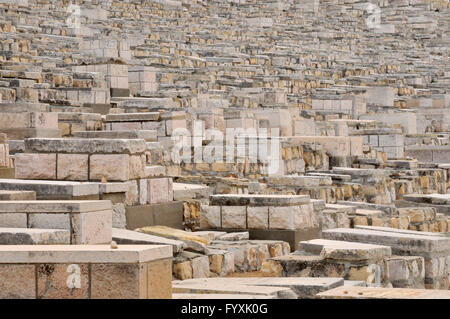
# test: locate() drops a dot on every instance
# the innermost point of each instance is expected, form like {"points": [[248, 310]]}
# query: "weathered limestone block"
{"points": [[258, 217], [85, 271], [17, 195], [210, 217], [406, 271], [72, 167], [234, 217], [35, 166], [112, 167], [282, 217]]}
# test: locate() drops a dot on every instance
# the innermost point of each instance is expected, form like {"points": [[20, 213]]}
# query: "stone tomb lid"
{"points": [[411, 242], [127, 254], [344, 250], [52, 188], [259, 200], [54, 206]]}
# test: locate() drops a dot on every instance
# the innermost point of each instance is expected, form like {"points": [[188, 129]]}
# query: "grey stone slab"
{"points": [[399, 242], [51, 189], [32, 236], [259, 200], [82, 146], [54, 206], [129, 237], [303, 287]]}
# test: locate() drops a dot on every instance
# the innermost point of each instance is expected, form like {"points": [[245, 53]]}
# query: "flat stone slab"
{"points": [[129, 237], [85, 146], [183, 191], [259, 200], [133, 117], [52, 189], [54, 206], [400, 231], [382, 293], [89, 222], [302, 286], [191, 241], [147, 135], [85, 271], [344, 250], [128, 254], [399, 242], [17, 195], [32, 236], [436, 199]]}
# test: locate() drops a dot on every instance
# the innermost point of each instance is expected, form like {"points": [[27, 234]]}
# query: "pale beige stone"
{"points": [[258, 217], [73, 167], [35, 166], [281, 217], [113, 167], [234, 217]]}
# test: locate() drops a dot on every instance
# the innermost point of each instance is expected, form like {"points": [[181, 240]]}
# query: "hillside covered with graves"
{"points": [[255, 149]]}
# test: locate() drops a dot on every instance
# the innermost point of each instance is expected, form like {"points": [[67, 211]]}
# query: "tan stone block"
{"points": [[394, 222], [92, 227], [360, 220], [119, 281], [17, 282], [358, 273], [403, 222], [160, 279], [136, 166], [35, 166], [377, 222], [220, 167], [183, 270], [73, 167], [158, 190], [65, 128], [113, 167], [210, 217], [234, 217], [63, 281], [281, 218], [215, 263], [258, 217], [202, 166], [272, 267], [14, 220]]}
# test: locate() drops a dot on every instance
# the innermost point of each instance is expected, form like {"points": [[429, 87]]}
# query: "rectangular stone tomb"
{"points": [[435, 249], [82, 159], [85, 272], [89, 222], [284, 212]]}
